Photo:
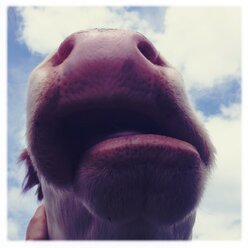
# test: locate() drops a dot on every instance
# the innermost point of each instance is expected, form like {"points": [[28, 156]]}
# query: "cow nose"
{"points": [[64, 51], [104, 45], [149, 52]]}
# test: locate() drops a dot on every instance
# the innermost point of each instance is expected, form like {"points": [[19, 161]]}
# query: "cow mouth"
{"points": [[66, 130], [63, 139], [106, 131], [84, 129]]}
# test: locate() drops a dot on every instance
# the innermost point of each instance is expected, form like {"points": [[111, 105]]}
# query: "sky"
{"points": [[203, 43]]}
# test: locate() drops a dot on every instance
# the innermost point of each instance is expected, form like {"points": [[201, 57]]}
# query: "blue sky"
{"points": [[203, 43]]}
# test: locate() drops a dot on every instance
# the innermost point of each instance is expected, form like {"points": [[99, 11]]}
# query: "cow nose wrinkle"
{"points": [[63, 51], [150, 53]]}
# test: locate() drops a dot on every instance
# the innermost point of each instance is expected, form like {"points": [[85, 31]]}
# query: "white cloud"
{"points": [[219, 214], [204, 42], [44, 28], [26, 203], [13, 229], [233, 111], [226, 135], [21, 208], [212, 226]]}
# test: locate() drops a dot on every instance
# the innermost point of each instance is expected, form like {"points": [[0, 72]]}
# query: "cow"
{"points": [[113, 144]]}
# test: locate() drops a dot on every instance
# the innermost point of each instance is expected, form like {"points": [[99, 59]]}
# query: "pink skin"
{"points": [[113, 142]]}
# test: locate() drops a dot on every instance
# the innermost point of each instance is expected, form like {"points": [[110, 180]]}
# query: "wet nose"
{"points": [[111, 47]]}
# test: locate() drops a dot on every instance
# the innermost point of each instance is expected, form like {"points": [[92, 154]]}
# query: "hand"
{"points": [[37, 227]]}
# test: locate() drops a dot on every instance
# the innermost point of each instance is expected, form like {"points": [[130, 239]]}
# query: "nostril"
{"points": [[63, 52], [150, 53]]}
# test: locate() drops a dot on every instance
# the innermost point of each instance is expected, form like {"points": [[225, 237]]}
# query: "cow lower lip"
{"points": [[112, 136], [137, 147]]}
